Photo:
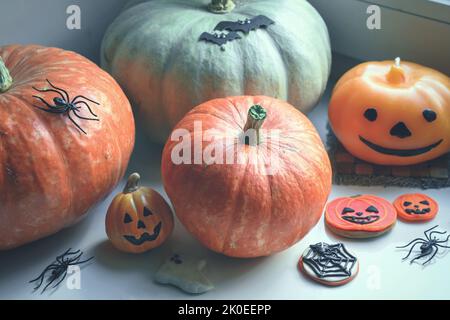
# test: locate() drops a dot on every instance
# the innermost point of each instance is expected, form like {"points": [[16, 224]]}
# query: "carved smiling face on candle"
{"points": [[392, 113]]}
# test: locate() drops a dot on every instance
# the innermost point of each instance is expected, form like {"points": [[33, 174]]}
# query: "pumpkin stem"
{"points": [[132, 183], [255, 119], [221, 6], [396, 74], [5, 77]]}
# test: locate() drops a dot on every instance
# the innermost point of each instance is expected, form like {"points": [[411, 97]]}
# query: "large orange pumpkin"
{"points": [[392, 113], [246, 195], [51, 172]]}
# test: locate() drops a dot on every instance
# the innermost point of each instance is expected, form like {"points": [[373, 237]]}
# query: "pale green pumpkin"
{"points": [[154, 52]]}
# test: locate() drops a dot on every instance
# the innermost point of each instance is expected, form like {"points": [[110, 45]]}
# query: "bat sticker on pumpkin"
{"points": [[219, 38], [138, 219], [361, 216], [245, 25], [329, 264], [64, 105]]}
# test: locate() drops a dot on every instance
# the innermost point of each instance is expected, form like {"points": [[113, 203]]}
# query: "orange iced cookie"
{"points": [[416, 207], [362, 216]]}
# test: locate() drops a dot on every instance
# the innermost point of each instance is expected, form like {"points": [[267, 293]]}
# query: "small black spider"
{"points": [[427, 245], [58, 268], [63, 106]]}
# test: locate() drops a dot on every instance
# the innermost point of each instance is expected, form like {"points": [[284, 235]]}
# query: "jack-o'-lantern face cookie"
{"points": [[362, 216], [416, 207]]}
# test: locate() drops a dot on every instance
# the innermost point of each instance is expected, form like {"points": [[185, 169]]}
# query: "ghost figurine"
{"points": [[184, 273]]}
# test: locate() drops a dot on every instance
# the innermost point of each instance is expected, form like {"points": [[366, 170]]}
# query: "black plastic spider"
{"points": [[63, 106], [58, 269], [427, 245]]}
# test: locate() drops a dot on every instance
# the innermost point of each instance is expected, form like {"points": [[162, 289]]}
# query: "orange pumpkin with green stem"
{"points": [[51, 172], [392, 113], [264, 193]]}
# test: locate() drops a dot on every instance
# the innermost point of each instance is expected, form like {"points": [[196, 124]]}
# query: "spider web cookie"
{"points": [[329, 264]]}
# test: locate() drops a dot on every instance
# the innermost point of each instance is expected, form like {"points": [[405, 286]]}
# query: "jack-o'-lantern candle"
{"points": [[392, 112]]}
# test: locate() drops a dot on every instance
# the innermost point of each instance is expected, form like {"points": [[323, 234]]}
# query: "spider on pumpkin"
{"points": [[427, 245], [63, 104], [58, 268]]}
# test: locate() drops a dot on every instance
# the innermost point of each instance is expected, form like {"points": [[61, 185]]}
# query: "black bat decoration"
{"points": [[246, 25], [219, 38]]}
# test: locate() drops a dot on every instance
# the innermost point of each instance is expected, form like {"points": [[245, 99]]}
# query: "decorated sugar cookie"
{"points": [[362, 216], [329, 264], [416, 207]]}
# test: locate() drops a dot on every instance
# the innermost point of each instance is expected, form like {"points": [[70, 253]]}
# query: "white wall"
{"points": [[409, 35], [416, 30], [44, 22]]}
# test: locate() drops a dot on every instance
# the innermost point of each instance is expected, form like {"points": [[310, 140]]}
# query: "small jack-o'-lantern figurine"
{"points": [[392, 113], [138, 219]]}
